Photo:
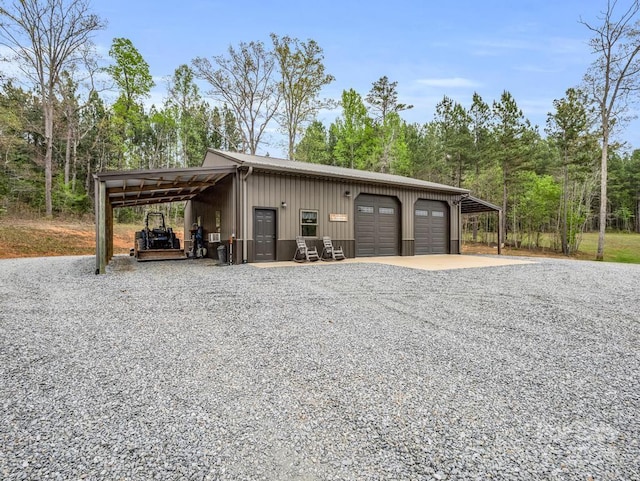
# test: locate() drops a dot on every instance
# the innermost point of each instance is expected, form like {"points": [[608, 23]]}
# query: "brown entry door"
{"points": [[264, 234]]}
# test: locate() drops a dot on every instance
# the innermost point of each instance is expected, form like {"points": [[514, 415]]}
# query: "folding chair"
{"points": [[304, 253], [331, 252]]}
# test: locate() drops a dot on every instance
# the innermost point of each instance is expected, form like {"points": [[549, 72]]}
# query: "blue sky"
{"points": [[534, 49]]}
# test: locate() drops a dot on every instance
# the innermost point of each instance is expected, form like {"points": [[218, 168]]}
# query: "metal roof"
{"points": [[140, 187], [473, 205], [330, 171]]}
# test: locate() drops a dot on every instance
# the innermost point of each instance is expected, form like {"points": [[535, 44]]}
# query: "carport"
{"points": [[144, 187], [473, 205]]}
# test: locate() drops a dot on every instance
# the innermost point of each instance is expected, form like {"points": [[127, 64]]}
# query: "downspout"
{"points": [[245, 213], [236, 197]]}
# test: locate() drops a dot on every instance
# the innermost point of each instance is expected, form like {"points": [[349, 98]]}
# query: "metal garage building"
{"points": [[258, 205]]}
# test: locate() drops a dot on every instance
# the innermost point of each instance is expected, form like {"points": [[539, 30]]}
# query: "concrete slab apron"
{"points": [[435, 262]]}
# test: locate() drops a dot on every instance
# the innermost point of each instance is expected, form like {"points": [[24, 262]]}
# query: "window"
{"points": [[309, 223], [365, 209], [386, 210], [422, 213], [437, 213]]}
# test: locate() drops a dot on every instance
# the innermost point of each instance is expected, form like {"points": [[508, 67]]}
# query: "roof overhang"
{"points": [[473, 205], [143, 187]]}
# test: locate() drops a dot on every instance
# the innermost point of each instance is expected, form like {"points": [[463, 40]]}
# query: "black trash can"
{"points": [[222, 254]]}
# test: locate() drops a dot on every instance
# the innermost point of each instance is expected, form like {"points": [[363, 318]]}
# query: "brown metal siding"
{"points": [[268, 190]]}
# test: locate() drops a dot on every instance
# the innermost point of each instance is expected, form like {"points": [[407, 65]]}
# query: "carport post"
{"points": [[101, 219], [460, 235], [500, 234]]}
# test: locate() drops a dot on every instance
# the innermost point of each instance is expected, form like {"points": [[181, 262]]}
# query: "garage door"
{"points": [[377, 226], [431, 221]]}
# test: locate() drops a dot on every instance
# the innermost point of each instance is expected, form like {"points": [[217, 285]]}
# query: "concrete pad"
{"points": [[435, 262]]}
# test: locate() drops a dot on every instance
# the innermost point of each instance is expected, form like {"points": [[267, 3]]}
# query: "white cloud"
{"points": [[452, 82], [537, 69], [498, 47], [561, 47]]}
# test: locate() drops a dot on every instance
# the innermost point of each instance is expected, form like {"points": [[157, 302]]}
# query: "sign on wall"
{"points": [[337, 217]]}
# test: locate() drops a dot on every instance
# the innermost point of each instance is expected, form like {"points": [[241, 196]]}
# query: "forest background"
{"points": [[555, 183]]}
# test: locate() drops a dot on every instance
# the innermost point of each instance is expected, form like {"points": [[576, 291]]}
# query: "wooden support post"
{"points": [[108, 229], [101, 219], [460, 234], [500, 233]]}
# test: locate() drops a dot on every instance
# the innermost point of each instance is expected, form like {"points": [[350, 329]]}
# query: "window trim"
{"points": [[306, 224]]}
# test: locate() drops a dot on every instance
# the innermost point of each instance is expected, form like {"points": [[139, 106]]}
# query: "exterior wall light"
{"points": [[347, 193], [283, 204]]}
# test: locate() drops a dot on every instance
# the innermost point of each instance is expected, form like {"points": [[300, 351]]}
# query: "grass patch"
{"points": [[618, 247]]}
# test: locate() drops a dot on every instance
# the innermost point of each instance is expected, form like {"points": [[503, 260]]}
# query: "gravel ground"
{"points": [[184, 370]]}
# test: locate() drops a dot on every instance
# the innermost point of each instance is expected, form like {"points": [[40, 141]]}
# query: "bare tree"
{"points": [[82, 81], [302, 76], [46, 37], [612, 82], [245, 81]]}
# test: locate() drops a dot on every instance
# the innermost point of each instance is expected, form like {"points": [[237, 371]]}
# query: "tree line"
{"points": [[69, 114]]}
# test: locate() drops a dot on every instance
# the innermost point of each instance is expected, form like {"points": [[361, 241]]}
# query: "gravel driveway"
{"points": [[184, 370]]}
